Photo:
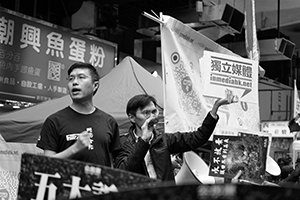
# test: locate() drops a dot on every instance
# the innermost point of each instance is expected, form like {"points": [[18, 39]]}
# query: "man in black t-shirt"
{"points": [[81, 131]]}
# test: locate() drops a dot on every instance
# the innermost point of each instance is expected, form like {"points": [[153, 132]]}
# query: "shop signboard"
{"points": [[35, 56], [277, 129]]}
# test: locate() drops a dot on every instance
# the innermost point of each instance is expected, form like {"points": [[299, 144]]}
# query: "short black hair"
{"points": [[95, 75], [139, 101]]}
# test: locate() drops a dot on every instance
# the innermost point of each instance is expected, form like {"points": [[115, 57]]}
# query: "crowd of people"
{"points": [[83, 132]]}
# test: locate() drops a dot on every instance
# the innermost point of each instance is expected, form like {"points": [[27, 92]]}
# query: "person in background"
{"points": [[81, 131], [292, 179], [286, 167], [146, 151]]}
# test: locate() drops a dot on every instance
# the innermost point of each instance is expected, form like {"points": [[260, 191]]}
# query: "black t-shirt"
{"points": [[61, 129]]}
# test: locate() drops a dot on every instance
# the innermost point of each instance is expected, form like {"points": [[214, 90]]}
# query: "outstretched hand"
{"points": [[228, 99], [236, 178]]}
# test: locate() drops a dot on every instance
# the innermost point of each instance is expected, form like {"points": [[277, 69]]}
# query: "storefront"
{"points": [[282, 139], [35, 56]]}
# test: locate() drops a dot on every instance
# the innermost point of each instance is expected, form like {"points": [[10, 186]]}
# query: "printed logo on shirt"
{"points": [[90, 131], [75, 136], [72, 136]]}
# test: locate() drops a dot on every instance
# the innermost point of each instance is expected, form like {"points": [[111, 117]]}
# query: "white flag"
{"points": [[296, 100], [185, 105], [252, 46]]}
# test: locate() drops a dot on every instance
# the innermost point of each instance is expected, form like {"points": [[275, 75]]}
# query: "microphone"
{"points": [[152, 122]]}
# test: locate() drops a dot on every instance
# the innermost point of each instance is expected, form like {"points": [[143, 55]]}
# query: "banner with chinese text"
{"points": [[206, 192], [48, 178], [185, 103]]}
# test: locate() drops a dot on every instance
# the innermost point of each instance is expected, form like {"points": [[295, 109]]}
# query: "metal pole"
{"points": [[278, 18], [17, 5], [34, 8]]}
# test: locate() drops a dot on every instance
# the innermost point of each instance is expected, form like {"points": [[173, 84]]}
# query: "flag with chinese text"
{"points": [[185, 105]]}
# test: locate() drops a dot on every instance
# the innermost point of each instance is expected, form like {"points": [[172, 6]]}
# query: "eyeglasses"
{"points": [[80, 77], [147, 113]]}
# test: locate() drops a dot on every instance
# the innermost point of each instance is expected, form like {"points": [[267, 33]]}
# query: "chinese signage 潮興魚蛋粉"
{"points": [[35, 57]]}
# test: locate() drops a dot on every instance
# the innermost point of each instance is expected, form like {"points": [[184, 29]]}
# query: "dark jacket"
{"points": [[133, 150], [292, 179]]}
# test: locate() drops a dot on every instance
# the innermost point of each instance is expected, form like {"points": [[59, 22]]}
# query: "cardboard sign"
{"points": [[48, 178], [238, 74]]}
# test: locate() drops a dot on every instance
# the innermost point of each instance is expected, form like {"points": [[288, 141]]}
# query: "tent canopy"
{"points": [[127, 79]]}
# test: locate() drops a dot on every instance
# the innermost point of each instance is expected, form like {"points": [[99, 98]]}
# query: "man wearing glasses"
{"points": [[81, 131], [146, 151]]}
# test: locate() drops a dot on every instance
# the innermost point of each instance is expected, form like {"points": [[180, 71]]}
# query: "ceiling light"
{"points": [[16, 106]]}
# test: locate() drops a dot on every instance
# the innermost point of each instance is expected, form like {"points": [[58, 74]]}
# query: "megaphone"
{"points": [[272, 166], [193, 170]]}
